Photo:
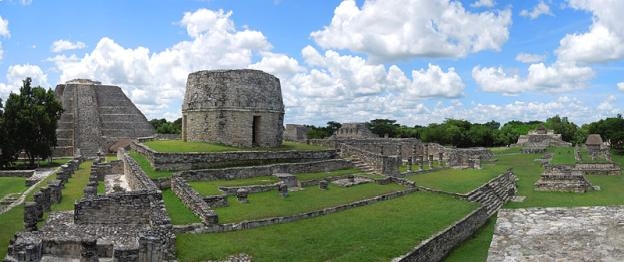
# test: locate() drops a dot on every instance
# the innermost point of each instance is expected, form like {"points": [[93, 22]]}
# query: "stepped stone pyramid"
{"points": [[96, 117]]}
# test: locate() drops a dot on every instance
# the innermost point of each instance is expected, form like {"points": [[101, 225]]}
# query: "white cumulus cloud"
{"points": [[540, 9], [620, 86], [65, 45], [386, 30], [602, 41], [558, 77], [529, 58], [4, 27], [483, 3], [17, 73]]}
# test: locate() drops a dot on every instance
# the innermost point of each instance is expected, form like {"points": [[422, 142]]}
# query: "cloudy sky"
{"points": [[416, 61]]}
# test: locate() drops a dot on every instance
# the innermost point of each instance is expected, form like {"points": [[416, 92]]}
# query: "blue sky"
{"points": [[416, 61]]}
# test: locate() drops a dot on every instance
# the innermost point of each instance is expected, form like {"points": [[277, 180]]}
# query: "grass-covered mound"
{"points": [[376, 232], [179, 146]]}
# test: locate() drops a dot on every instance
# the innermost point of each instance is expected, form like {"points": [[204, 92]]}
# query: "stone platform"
{"points": [[559, 234]]}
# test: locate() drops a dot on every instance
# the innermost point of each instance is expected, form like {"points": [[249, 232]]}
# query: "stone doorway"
{"points": [[255, 131]]}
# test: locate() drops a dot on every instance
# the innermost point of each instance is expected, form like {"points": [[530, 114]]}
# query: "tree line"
{"points": [[462, 133], [28, 123]]}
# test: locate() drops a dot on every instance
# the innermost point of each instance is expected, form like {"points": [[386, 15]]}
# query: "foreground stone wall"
{"points": [[193, 201], [118, 208], [267, 170], [438, 246], [16, 173], [190, 161]]}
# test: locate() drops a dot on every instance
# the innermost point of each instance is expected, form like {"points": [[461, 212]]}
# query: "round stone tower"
{"points": [[233, 107]]}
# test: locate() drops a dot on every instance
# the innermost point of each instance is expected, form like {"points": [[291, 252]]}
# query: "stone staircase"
{"points": [[361, 165], [495, 193]]}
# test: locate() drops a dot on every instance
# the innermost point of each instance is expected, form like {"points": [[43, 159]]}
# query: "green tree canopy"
{"points": [[30, 119]]}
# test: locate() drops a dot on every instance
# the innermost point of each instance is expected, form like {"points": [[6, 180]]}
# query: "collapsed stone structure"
{"points": [[562, 178], [95, 118], [354, 130], [131, 225], [233, 107], [536, 141]]}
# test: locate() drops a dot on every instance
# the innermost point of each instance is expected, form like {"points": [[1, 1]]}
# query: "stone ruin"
{"points": [[125, 226], [536, 141], [96, 117], [296, 132], [233, 107], [594, 144], [354, 130], [562, 178]]}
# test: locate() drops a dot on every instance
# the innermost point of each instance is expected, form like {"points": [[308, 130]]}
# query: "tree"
{"points": [[7, 147], [383, 127], [162, 126], [31, 120], [323, 132]]}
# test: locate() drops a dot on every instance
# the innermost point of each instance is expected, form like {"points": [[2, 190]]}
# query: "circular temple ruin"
{"points": [[233, 107]]}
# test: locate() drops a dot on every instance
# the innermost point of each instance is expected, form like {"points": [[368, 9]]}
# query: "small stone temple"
{"points": [[96, 117], [536, 141], [593, 143], [233, 107]]}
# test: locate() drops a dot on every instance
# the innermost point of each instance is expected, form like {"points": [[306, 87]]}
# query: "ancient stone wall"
{"points": [[117, 208], [598, 169], [190, 161], [16, 173], [438, 246], [354, 130], [267, 170], [233, 107], [295, 132], [385, 165], [496, 192], [193, 201]]}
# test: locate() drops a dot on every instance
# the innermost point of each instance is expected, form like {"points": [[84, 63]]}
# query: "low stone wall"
{"points": [[231, 190], [16, 173], [385, 165], [267, 170], [190, 161], [119, 208], [137, 179], [598, 169], [285, 219], [437, 247], [193, 201]]}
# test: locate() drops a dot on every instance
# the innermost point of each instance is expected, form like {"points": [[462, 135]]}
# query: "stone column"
{"points": [[409, 164], [283, 190], [30, 216], [90, 192], [46, 198], [38, 196], [422, 163], [88, 250], [323, 184], [241, 195]]}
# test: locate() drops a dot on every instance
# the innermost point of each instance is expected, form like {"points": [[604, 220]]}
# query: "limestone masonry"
{"points": [[96, 117], [233, 107]]}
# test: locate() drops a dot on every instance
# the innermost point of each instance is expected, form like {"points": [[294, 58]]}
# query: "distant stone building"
{"points": [[541, 138], [95, 118], [233, 107], [296, 132], [354, 130], [593, 143]]}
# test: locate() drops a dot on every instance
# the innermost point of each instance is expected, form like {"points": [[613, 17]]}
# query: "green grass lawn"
{"points": [[270, 204], [178, 146], [458, 180], [562, 155], [336, 173], [10, 185], [147, 167], [74, 188], [476, 247], [10, 223], [377, 232], [177, 211], [110, 157]]}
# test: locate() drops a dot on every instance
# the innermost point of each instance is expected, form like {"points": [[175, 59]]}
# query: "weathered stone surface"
{"points": [[323, 184], [354, 130], [241, 195], [233, 107], [559, 234], [288, 179], [95, 117], [295, 132]]}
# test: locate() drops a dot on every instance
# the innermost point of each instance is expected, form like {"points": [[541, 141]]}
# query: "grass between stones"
{"points": [[476, 247], [562, 156], [179, 146], [271, 204], [376, 232], [9, 185], [458, 180], [10, 223], [177, 211], [147, 167], [74, 188]]}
